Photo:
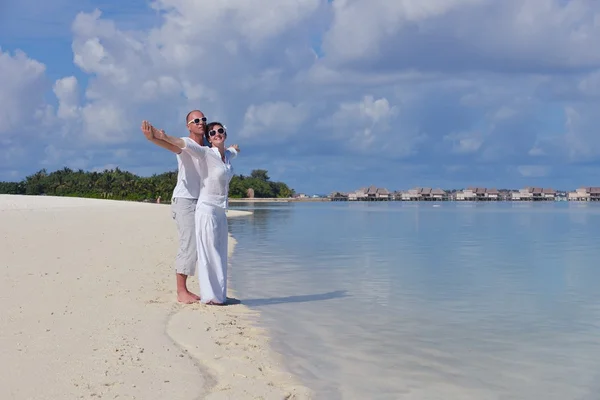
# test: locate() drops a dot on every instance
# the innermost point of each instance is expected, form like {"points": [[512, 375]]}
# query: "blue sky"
{"points": [[325, 95]]}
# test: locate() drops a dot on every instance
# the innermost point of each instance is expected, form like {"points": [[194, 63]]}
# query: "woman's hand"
{"points": [[159, 134], [236, 147]]}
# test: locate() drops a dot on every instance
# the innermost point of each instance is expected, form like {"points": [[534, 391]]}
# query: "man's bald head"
{"points": [[189, 115]]}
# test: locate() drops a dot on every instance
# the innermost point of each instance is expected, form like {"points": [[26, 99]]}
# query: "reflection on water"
{"points": [[264, 219], [407, 300]]}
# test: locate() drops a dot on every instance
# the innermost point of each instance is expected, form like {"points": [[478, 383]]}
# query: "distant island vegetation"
{"points": [[117, 184]]}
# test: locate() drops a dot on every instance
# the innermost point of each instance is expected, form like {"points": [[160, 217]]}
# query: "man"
{"points": [[183, 202]]}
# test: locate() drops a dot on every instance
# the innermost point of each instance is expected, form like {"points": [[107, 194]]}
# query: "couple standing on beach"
{"points": [[199, 203]]}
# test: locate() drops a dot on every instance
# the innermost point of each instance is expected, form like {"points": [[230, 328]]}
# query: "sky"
{"points": [[325, 95]]}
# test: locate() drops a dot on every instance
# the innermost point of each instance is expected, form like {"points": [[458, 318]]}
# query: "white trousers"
{"points": [[211, 227]]}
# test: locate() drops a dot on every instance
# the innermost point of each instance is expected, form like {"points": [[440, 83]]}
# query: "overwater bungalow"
{"points": [[339, 196], [424, 194], [585, 194], [439, 195], [534, 194], [372, 193], [358, 195], [492, 194], [378, 194], [465, 195], [478, 194], [410, 195], [549, 194]]}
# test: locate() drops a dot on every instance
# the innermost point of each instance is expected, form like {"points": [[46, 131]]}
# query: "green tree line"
{"points": [[122, 185]]}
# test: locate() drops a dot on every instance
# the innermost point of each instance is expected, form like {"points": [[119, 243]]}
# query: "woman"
{"points": [[211, 222]]}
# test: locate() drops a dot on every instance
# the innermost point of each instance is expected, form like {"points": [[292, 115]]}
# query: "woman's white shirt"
{"points": [[215, 174]]}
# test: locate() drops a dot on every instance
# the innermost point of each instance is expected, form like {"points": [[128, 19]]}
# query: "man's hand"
{"points": [[147, 129], [158, 137], [236, 147]]}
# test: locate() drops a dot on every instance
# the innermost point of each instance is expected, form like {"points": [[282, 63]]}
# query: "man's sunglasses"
{"points": [[214, 132], [197, 120]]}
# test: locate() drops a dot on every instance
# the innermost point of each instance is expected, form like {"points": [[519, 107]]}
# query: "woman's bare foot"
{"points": [[187, 297], [195, 296], [214, 303]]}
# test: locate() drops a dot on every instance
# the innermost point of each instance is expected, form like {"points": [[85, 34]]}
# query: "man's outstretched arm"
{"points": [[192, 148], [149, 130], [160, 135]]}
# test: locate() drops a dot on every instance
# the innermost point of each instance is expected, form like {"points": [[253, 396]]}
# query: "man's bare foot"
{"points": [[187, 298]]}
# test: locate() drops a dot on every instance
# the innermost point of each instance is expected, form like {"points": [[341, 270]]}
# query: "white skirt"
{"points": [[212, 238]]}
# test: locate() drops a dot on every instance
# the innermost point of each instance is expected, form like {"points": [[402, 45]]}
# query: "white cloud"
{"points": [[362, 123], [274, 120], [11, 153], [590, 84], [105, 167], [533, 171], [537, 151], [67, 94], [249, 23], [324, 76], [105, 122], [582, 136], [369, 111], [465, 142], [52, 155], [465, 34], [360, 28], [181, 65], [22, 83], [23, 113], [452, 81], [504, 113]]}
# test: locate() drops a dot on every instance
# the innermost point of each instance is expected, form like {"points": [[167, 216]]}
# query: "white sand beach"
{"points": [[89, 311]]}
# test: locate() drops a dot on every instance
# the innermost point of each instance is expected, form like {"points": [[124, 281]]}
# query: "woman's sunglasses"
{"points": [[214, 132], [197, 120]]}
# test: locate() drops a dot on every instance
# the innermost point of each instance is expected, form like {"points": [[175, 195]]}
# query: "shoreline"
{"points": [[235, 353], [99, 317], [279, 200]]}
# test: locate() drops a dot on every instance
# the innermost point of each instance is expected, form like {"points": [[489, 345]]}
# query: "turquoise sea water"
{"points": [[401, 300]]}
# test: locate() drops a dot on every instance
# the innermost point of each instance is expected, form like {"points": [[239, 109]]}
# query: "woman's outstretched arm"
{"points": [[161, 135], [233, 150]]}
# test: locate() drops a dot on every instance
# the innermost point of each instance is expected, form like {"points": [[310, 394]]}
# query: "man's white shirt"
{"points": [[188, 177]]}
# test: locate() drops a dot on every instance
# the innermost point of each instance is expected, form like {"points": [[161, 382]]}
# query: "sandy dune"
{"points": [[89, 311]]}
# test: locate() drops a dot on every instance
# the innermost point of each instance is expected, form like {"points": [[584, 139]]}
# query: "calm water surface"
{"points": [[428, 301]]}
